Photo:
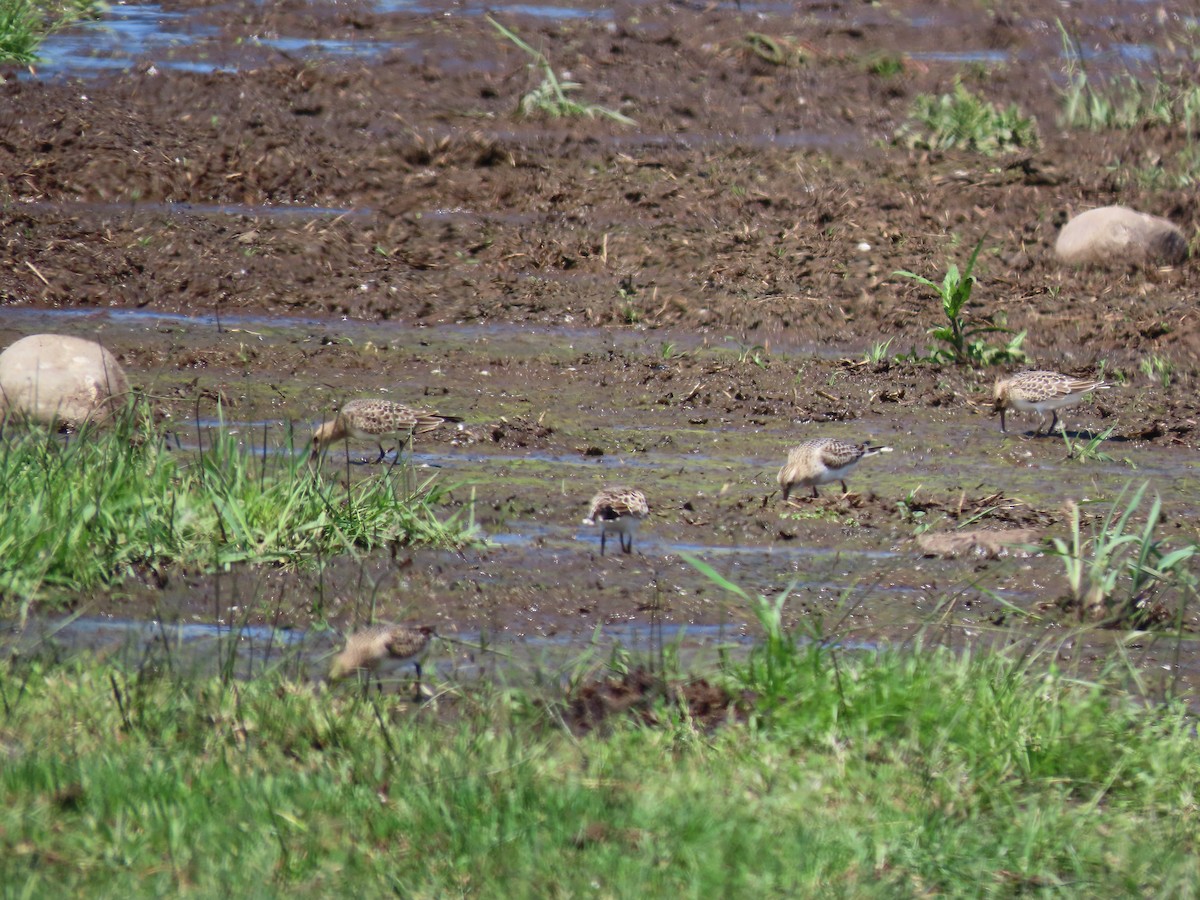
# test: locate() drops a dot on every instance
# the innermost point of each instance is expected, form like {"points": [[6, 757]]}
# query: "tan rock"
{"points": [[989, 542], [1117, 236], [57, 378]]}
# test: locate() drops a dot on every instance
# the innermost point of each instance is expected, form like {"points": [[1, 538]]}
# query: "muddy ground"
{"points": [[670, 303]]}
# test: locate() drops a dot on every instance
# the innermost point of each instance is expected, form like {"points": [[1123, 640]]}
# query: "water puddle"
{"points": [[553, 12], [123, 36], [237, 210], [128, 36], [16, 316], [251, 651], [987, 57], [146, 35]]}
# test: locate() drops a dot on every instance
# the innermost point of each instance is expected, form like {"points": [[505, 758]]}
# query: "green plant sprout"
{"points": [[963, 341], [1088, 450], [751, 353], [878, 352]]}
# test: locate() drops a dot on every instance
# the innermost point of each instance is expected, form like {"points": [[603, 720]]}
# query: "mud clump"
{"points": [[987, 542], [637, 694]]}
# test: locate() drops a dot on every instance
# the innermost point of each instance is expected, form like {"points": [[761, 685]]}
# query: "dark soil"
{"points": [[670, 303]]}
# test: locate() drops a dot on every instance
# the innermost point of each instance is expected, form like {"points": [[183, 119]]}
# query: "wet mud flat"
{"points": [[669, 305], [702, 432]]}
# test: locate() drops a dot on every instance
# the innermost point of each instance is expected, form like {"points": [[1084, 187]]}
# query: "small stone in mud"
{"points": [[1117, 235]]}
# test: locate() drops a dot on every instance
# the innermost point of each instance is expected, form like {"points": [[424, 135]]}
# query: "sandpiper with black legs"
{"points": [[821, 461]]}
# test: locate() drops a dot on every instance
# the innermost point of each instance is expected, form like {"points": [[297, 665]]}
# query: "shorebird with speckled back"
{"points": [[1041, 392], [374, 420], [384, 649], [619, 510], [821, 461]]}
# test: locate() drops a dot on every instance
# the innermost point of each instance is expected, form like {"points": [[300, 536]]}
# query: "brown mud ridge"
{"points": [[670, 303]]}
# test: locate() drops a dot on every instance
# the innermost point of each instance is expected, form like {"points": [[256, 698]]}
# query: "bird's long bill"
{"points": [[1003, 430]]}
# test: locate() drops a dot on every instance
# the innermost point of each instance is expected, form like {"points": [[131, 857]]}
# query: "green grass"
{"points": [[25, 24], [964, 121], [886, 774], [107, 503]]}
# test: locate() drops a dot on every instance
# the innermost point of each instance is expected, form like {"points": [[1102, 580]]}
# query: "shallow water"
{"points": [[132, 35], [247, 651]]}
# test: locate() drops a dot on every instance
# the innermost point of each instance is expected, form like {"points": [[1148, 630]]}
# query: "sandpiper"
{"points": [[620, 510], [375, 420], [384, 649], [820, 461], [1041, 392]]}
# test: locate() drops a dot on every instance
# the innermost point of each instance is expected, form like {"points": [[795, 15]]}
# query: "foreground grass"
{"points": [[25, 24], [879, 775], [108, 503]]}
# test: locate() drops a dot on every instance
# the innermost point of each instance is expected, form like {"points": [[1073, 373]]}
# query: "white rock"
{"points": [[58, 378], [1117, 235]]}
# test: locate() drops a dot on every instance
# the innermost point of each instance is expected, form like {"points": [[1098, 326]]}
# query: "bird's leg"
{"points": [[603, 536], [418, 698], [845, 490], [1054, 421], [629, 548], [815, 494]]}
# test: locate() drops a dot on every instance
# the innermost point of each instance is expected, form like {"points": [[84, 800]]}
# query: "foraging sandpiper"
{"points": [[375, 420], [820, 461], [1041, 392], [620, 510], [384, 649]]}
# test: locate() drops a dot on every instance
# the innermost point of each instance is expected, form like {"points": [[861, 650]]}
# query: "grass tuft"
{"points": [[25, 24], [108, 503], [963, 121], [550, 97], [1123, 576]]}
